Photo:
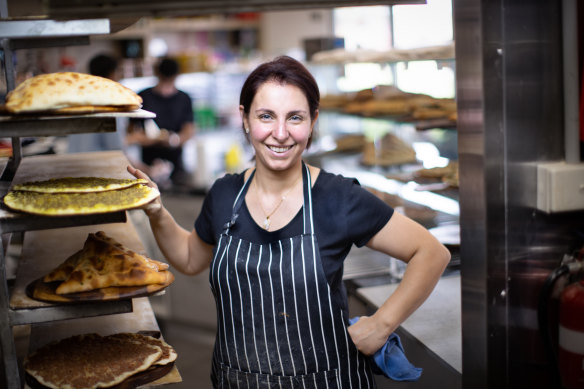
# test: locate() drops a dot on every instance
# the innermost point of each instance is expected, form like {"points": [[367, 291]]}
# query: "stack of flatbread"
{"points": [[387, 100], [447, 174], [91, 361], [391, 150], [79, 195], [104, 262], [70, 93]]}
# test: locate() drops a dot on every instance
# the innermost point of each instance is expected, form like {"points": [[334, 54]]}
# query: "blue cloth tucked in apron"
{"points": [[277, 326], [391, 361]]}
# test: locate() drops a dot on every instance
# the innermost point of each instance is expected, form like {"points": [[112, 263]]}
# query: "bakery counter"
{"points": [[432, 335]]}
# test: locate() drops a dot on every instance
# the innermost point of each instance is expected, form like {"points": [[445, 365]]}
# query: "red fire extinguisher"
{"points": [[571, 336]]}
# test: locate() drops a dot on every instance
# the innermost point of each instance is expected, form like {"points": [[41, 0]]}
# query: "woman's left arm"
{"points": [[426, 258]]}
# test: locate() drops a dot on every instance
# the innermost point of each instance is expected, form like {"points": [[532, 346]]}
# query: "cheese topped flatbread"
{"points": [[53, 91], [78, 184], [90, 361], [65, 204]]}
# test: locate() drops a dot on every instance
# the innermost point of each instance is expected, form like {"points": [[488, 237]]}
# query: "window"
{"points": [[414, 26]]}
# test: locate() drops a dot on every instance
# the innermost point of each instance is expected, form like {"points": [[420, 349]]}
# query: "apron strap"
{"points": [[306, 209], [307, 191], [237, 203]]}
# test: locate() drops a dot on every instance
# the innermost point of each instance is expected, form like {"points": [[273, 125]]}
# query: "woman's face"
{"points": [[279, 125]]}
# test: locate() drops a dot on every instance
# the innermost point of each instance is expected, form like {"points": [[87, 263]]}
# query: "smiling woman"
{"points": [[275, 238]]}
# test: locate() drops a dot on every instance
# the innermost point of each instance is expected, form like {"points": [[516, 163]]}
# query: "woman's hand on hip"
{"points": [[368, 334]]}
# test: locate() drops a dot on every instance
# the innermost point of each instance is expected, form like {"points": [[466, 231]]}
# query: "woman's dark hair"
{"points": [[283, 70]]}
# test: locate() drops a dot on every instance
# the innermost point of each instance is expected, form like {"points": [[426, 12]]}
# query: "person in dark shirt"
{"points": [[274, 238], [174, 119]]}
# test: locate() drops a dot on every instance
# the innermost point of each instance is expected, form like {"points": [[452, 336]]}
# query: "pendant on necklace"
{"points": [[266, 223]]}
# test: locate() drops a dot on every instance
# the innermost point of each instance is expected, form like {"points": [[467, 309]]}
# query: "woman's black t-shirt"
{"points": [[344, 214]]}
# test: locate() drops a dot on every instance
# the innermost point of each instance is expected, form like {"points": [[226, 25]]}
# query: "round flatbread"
{"points": [[68, 204], [90, 361], [78, 184], [168, 353]]}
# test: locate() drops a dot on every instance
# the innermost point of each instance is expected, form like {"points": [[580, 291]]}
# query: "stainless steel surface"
{"points": [[8, 348], [18, 44], [16, 221], [571, 80], [509, 92], [43, 315], [436, 323], [62, 127], [73, 8], [52, 28]]}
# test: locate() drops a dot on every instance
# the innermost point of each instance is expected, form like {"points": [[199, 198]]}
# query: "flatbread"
{"points": [[78, 184], [90, 361], [168, 353], [56, 91], [102, 265], [154, 264], [67, 204], [64, 270], [61, 272]]}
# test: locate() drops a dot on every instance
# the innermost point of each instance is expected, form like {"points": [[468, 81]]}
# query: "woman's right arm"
{"points": [[184, 250]]}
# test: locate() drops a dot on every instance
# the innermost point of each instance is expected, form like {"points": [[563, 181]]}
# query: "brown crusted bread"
{"points": [[152, 263], [66, 90], [102, 264], [62, 272], [90, 361]]}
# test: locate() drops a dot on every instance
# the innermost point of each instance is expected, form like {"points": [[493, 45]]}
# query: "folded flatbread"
{"points": [[64, 270], [101, 264], [76, 92]]}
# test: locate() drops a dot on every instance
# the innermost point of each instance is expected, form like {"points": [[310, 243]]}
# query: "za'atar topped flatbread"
{"points": [[90, 361], [78, 184], [67, 90], [67, 204]]}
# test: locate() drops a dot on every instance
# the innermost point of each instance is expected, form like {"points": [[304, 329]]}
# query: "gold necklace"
{"points": [[266, 222]]}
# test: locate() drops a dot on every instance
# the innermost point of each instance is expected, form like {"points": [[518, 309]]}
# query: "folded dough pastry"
{"points": [[101, 264], [70, 91]]}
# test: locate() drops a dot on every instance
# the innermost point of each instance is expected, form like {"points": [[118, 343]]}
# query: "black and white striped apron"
{"points": [[278, 326]]}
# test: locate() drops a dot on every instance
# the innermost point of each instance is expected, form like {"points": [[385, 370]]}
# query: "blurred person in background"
{"points": [[102, 65], [162, 138]]}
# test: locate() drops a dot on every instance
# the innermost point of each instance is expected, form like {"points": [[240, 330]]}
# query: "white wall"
{"points": [[283, 32]]}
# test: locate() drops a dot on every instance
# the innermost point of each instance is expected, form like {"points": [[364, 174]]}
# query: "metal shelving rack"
{"points": [[18, 34]]}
